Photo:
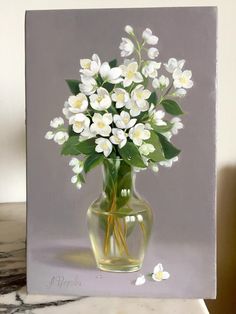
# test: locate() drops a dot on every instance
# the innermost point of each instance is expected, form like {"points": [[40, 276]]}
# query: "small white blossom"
{"points": [[138, 133], [67, 113], [140, 280], [77, 165], [135, 109], [123, 120], [86, 134], [56, 122], [159, 274], [129, 29], [103, 146], [146, 149], [153, 53], [149, 37], [140, 96], [174, 64], [78, 103], [118, 138], [101, 100], [120, 97], [157, 117], [161, 82], [61, 137], [180, 92], [168, 163], [154, 167], [131, 74], [88, 85], [101, 124], [90, 67], [49, 135], [150, 69], [126, 47], [111, 75], [79, 122], [75, 180], [182, 79], [177, 125]]}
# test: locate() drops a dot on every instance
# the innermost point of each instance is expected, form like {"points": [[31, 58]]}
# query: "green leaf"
{"points": [[73, 86], [81, 178], [108, 86], [157, 155], [153, 98], [171, 107], [113, 63], [92, 161], [170, 151], [70, 146], [87, 147], [131, 155], [162, 128]]}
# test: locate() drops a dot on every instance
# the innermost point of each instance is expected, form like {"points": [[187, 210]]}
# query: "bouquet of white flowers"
{"points": [[123, 117], [113, 112]]}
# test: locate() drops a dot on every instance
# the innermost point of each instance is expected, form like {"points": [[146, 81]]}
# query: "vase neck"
{"points": [[118, 178]]}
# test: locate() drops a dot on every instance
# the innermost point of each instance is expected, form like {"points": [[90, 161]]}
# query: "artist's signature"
{"points": [[60, 281]]}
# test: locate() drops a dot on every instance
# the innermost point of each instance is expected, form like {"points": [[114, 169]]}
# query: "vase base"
{"points": [[119, 265]]}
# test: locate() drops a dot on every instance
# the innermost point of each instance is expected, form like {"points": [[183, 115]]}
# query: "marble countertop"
{"points": [[14, 298]]}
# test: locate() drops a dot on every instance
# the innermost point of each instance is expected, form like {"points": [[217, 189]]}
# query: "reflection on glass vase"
{"points": [[119, 221]]}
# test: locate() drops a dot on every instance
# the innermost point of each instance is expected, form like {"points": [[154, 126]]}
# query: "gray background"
{"points": [[183, 197]]}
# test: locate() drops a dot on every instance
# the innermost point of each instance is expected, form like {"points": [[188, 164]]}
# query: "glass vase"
{"points": [[119, 221]]}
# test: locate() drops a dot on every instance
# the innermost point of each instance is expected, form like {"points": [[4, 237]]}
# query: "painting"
{"points": [[120, 107]]}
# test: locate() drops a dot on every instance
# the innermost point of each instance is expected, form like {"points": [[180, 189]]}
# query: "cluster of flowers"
{"points": [[114, 105]]}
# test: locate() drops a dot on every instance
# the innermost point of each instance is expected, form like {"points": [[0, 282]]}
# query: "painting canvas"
{"points": [[124, 205]]}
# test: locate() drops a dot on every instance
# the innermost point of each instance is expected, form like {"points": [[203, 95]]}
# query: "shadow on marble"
{"points": [[226, 230]]}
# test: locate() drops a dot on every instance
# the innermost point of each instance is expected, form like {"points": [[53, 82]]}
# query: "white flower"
{"points": [[158, 116], [129, 29], [101, 100], [120, 96], [177, 125], [146, 149], [103, 146], [61, 137], [149, 37], [111, 75], [135, 109], [86, 134], [161, 82], [180, 92], [182, 79], [118, 138], [140, 280], [56, 122], [174, 64], [131, 74], [79, 122], [49, 135], [123, 121], [153, 53], [78, 103], [77, 165], [101, 124], [168, 163], [140, 96], [159, 274], [67, 113], [88, 85], [138, 133], [150, 69], [75, 180], [154, 167], [126, 47], [90, 67]]}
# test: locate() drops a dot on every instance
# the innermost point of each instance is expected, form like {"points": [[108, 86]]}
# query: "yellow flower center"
{"points": [[120, 97], [183, 80], [137, 133], [87, 65], [126, 120], [101, 124], [159, 275], [79, 124], [130, 74], [78, 103], [99, 98]]}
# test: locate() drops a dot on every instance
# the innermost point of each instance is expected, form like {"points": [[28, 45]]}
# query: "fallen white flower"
{"points": [[159, 274], [140, 280]]}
